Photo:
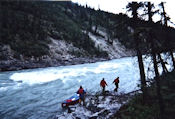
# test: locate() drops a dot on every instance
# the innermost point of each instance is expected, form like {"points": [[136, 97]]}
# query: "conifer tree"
{"points": [[165, 22], [155, 63], [133, 7]]}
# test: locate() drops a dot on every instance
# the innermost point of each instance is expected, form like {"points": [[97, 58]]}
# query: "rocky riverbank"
{"points": [[61, 53], [98, 106], [10, 65]]}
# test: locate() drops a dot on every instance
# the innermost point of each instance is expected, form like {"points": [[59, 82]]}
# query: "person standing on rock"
{"points": [[82, 93], [103, 84], [116, 81]]}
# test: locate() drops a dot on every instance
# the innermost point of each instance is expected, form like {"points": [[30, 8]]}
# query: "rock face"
{"points": [[114, 49], [62, 53]]}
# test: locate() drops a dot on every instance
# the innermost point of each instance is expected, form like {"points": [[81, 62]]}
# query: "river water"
{"points": [[38, 93]]}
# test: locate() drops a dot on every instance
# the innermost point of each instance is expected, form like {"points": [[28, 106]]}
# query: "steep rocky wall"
{"points": [[61, 53]]}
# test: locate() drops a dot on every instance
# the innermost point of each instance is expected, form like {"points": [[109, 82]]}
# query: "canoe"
{"points": [[71, 101]]}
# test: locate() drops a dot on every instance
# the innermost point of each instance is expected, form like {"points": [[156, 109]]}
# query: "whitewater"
{"points": [[38, 93]]}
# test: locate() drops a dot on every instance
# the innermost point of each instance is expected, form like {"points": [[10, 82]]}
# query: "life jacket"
{"points": [[103, 83], [116, 80], [69, 100], [81, 91]]}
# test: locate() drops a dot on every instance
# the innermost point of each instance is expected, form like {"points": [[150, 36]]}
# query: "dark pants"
{"points": [[103, 90], [82, 98], [116, 86]]}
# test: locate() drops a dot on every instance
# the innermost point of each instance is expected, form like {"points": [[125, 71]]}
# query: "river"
{"points": [[38, 93]]}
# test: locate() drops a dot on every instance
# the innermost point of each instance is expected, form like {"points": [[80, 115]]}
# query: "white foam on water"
{"points": [[50, 74], [126, 68], [3, 88], [105, 67], [39, 77]]}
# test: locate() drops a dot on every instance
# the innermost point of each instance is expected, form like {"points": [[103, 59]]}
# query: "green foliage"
{"points": [[27, 25], [135, 109], [21, 30]]}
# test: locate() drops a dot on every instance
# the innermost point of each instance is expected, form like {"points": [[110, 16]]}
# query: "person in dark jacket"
{"points": [[103, 84], [116, 81], [82, 93]]}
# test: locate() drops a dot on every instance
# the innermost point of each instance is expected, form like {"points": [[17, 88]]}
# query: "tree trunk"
{"points": [[164, 14], [172, 57], [158, 86], [142, 74], [134, 8], [162, 63], [157, 78], [141, 67]]}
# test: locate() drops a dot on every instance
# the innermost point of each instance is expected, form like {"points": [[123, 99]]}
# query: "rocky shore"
{"points": [[15, 64], [98, 106]]}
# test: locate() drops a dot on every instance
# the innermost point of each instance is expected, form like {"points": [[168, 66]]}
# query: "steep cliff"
{"points": [[41, 34]]}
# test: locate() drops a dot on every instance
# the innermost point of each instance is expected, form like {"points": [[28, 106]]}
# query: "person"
{"points": [[103, 84], [82, 93], [116, 81]]}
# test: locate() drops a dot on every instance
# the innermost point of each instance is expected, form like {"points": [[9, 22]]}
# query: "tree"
{"points": [[164, 15], [150, 14], [157, 76], [133, 7], [153, 52]]}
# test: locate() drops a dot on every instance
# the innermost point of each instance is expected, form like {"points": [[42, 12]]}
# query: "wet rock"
{"points": [[100, 106]]}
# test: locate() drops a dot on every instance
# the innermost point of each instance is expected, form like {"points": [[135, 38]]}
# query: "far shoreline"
{"points": [[21, 65]]}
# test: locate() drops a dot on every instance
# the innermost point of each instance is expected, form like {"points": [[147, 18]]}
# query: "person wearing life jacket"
{"points": [[103, 84], [82, 93], [116, 81]]}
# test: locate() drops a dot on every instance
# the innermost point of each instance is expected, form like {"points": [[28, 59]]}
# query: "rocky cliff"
{"points": [[42, 34]]}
